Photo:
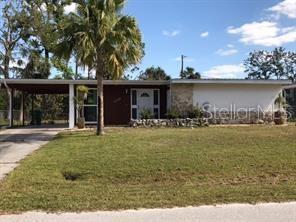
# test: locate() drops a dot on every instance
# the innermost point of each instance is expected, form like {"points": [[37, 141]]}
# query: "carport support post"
{"points": [[22, 109], [71, 107], [32, 107], [10, 111]]}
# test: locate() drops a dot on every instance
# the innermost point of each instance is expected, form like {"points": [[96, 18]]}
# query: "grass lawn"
{"points": [[147, 168]]}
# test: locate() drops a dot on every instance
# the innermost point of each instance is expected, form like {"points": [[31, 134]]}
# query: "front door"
{"points": [[144, 101]]}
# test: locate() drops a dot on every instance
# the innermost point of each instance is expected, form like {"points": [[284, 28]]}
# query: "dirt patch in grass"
{"points": [[72, 176]]}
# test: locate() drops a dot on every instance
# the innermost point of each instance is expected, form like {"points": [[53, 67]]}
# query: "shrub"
{"points": [[195, 112], [146, 114], [173, 114]]}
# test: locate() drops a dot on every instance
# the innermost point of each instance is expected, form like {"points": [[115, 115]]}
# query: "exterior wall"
{"points": [[117, 102], [181, 96], [242, 95]]}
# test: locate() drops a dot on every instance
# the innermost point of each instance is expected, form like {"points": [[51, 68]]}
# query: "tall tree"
{"points": [[290, 65], [11, 31], [153, 73], [275, 64], [258, 65], [44, 17], [103, 38], [189, 73]]}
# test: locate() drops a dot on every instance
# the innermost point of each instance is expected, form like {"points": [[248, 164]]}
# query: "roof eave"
{"points": [[230, 81], [83, 82]]}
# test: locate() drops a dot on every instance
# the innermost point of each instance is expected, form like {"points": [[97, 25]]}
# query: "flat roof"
{"points": [[146, 82], [232, 81], [83, 82], [61, 86], [291, 86]]}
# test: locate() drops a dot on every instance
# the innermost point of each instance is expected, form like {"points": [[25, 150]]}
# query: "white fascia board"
{"points": [[230, 81], [83, 82]]}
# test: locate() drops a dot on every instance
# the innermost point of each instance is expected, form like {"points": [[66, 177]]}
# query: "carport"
{"points": [[37, 86], [123, 99]]}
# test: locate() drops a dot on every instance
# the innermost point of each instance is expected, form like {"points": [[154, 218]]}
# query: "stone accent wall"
{"points": [[241, 118], [222, 118], [181, 97], [169, 122]]}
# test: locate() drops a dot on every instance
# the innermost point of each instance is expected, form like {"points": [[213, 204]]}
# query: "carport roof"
{"points": [[58, 86]]}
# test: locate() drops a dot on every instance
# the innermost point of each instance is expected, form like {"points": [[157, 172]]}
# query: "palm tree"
{"points": [[103, 38], [190, 73]]}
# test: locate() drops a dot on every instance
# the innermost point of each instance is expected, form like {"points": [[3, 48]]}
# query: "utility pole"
{"points": [[182, 64]]}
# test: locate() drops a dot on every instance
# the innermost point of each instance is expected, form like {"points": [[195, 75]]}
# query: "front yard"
{"points": [[147, 168]]}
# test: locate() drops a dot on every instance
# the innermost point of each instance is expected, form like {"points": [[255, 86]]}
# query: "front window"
{"points": [[91, 97], [155, 97], [90, 113], [90, 106]]}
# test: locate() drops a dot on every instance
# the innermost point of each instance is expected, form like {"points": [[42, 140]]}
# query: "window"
{"points": [[91, 97], [156, 111], [90, 113], [134, 97], [90, 106], [156, 103], [134, 113], [145, 94], [155, 97]]}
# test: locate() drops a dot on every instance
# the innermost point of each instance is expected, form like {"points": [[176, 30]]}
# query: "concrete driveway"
{"points": [[16, 144]]}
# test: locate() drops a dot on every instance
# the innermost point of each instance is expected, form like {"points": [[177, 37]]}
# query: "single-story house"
{"points": [[125, 99]]}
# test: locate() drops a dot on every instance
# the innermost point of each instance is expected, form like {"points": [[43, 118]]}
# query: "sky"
{"points": [[215, 35]]}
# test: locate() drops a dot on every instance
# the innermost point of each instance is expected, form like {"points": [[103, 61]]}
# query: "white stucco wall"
{"points": [[242, 95]]}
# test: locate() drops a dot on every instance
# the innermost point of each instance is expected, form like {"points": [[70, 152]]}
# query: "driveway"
{"points": [[267, 212], [16, 144]]}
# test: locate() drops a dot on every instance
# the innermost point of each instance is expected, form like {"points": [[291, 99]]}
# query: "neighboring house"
{"points": [[126, 99]]}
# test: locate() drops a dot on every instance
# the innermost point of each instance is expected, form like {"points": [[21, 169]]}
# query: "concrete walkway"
{"points": [[270, 212], [16, 144]]}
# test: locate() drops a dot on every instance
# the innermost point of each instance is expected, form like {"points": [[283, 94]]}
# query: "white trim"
{"points": [[137, 106], [84, 82], [133, 106], [10, 109], [88, 105], [157, 106], [71, 107], [146, 82], [290, 86], [231, 81]]}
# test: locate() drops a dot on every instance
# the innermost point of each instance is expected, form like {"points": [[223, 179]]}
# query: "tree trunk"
{"points": [[46, 53], [100, 107], [76, 67], [6, 64]]}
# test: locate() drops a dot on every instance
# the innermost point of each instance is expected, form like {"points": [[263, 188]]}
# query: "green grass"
{"points": [[147, 168]]}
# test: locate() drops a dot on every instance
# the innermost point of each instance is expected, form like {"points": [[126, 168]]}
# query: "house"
{"points": [[126, 99]]}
